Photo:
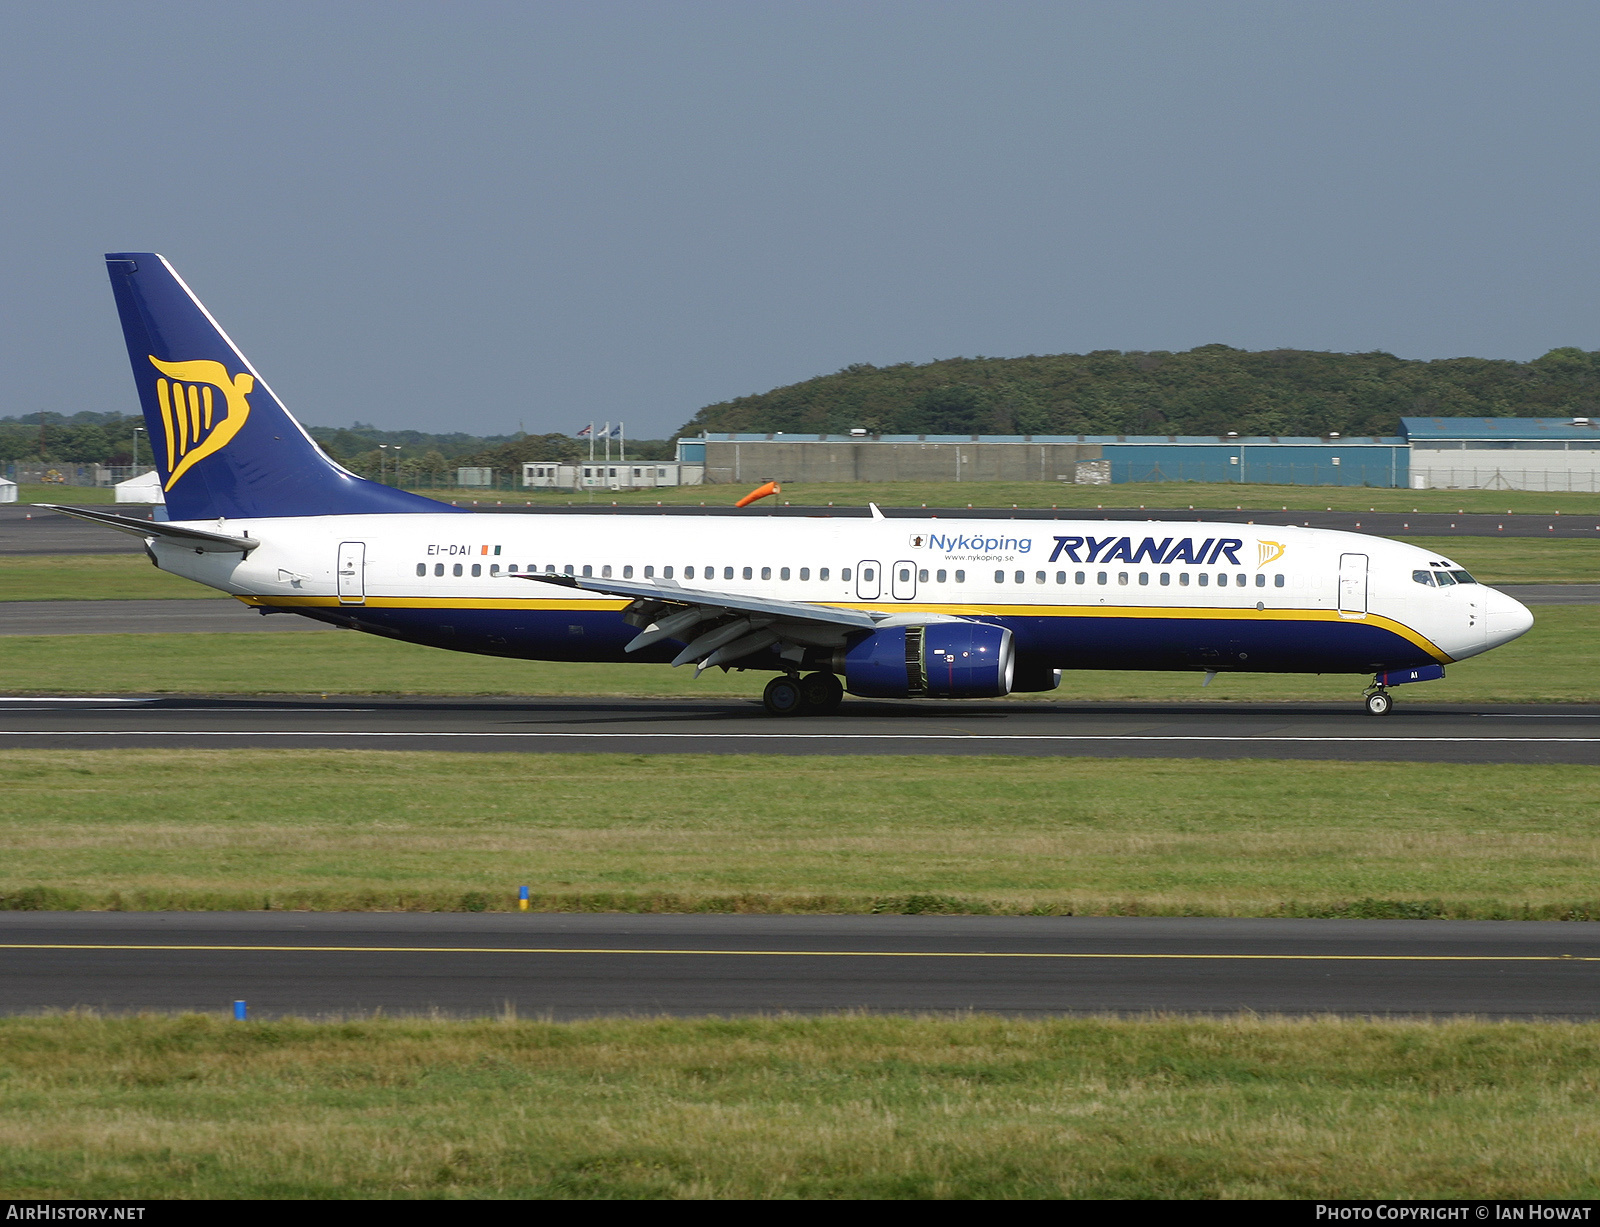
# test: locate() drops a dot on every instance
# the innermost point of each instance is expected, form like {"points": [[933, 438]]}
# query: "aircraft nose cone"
{"points": [[1508, 617]]}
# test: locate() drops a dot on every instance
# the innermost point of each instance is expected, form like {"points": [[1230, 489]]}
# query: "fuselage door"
{"points": [[903, 581], [869, 580], [352, 573], [1353, 585]]}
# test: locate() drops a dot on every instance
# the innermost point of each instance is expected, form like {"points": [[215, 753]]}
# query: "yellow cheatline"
{"points": [[846, 954]]}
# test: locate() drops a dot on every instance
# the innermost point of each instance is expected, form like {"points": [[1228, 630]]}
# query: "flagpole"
{"points": [[608, 442]]}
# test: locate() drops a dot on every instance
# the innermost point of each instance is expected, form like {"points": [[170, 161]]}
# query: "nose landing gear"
{"points": [[1379, 701]]}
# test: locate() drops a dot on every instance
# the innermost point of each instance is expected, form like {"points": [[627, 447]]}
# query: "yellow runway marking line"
{"points": [[849, 954]]}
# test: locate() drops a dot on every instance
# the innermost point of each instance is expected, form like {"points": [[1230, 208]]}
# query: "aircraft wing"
{"points": [[193, 538], [719, 628]]}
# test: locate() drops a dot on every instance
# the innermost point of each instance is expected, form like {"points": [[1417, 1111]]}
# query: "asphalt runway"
{"points": [[30, 530], [1414, 731], [180, 617], [568, 966]]}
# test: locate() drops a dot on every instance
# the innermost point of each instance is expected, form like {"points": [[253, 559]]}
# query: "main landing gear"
{"points": [[817, 694], [1379, 701]]}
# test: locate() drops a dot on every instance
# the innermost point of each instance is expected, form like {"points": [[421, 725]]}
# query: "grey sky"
{"points": [[466, 216]]}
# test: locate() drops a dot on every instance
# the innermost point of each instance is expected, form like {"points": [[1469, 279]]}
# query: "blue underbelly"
{"points": [[1250, 644]]}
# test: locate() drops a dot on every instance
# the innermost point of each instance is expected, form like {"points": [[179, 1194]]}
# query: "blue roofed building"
{"points": [[1431, 453], [1504, 453]]}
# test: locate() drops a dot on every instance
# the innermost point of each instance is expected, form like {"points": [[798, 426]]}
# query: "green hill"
{"points": [[1209, 390]]}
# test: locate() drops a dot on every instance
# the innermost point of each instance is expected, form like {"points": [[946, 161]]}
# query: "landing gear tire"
{"points": [[1379, 703], [822, 693], [783, 697]]}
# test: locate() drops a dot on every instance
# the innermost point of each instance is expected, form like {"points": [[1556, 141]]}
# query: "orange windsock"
{"points": [[759, 492]]}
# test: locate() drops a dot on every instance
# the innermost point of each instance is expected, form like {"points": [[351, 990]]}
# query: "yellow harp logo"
{"points": [[1270, 551], [196, 426]]}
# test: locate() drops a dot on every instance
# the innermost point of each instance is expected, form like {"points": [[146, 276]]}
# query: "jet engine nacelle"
{"points": [[942, 660]]}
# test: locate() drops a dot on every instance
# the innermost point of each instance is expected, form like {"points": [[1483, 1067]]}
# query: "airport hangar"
{"points": [[1432, 453]]}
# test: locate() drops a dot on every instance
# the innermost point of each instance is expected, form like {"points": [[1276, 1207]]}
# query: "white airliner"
{"points": [[889, 608]]}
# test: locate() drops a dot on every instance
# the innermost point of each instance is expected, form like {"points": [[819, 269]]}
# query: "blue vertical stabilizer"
{"points": [[223, 443]]}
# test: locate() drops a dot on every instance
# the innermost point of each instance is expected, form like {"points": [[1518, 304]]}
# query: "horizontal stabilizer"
{"points": [[194, 538]]}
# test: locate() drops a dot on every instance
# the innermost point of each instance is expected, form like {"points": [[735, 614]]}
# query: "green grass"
{"points": [[1512, 560], [1005, 495], [1557, 662], [376, 830], [71, 496], [816, 1108], [92, 577]]}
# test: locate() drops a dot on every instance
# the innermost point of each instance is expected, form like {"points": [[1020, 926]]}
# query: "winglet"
{"points": [[876, 514]]}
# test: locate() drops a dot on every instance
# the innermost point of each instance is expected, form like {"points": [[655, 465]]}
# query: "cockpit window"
{"points": [[1423, 577], [1463, 578], [1444, 579]]}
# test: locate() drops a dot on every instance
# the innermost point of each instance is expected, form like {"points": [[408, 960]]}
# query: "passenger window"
{"points": [[627, 572], [649, 572], [1222, 580], [688, 573], [1444, 579], [494, 568], [1061, 577], [805, 573], [784, 573], [868, 574], [1166, 579], [1204, 579], [1022, 576], [438, 568], [1122, 577], [1241, 581], [766, 572], [1462, 577], [922, 576], [727, 572], [456, 570], [666, 572], [999, 577], [1080, 578], [1183, 579], [1277, 581], [605, 572], [961, 577], [941, 576], [1261, 581], [1144, 578], [477, 570], [1102, 577], [422, 568], [511, 569], [1038, 577], [549, 568], [588, 571], [567, 569]]}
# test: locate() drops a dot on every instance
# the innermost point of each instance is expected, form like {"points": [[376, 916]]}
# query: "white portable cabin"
{"points": [[145, 488], [8, 490]]}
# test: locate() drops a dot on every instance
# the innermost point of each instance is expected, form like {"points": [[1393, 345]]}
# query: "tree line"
{"points": [[1206, 391], [404, 455]]}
